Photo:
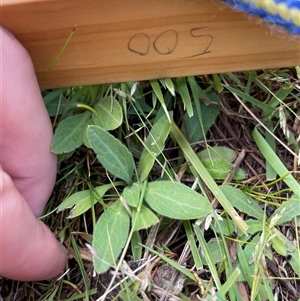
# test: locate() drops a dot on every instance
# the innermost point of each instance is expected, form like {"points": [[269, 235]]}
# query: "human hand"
{"points": [[28, 249]]}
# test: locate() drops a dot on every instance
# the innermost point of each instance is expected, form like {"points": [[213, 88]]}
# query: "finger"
{"points": [[26, 129], [28, 249]]}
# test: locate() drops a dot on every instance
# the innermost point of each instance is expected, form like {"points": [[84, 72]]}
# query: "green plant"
{"points": [[129, 132]]}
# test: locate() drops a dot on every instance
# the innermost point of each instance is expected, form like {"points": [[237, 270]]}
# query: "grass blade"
{"points": [[157, 90], [191, 239], [185, 95], [56, 59], [275, 162], [208, 258], [230, 282], [206, 177], [266, 108], [173, 263], [153, 146], [270, 172]]}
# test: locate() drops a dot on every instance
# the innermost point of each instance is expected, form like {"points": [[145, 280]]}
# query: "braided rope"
{"points": [[285, 13]]}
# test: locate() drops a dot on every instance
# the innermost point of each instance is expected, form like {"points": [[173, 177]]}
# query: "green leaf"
{"points": [[206, 253], [276, 163], [157, 90], [69, 133], [131, 194], [143, 219], [175, 200], [247, 266], [216, 153], [112, 154], [185, 95], [56, 102], [110, 236], [243, 263], [193, 244], [258, 103], [110, 114], [86, 141], [206, 177], [53, 95], [270, 172], [229, 284], [219, 170], [154, 146], [242, 202], [173, 263], [248, 252], [287, 211], [218, 160], [224, 226], [169, 85], [196, 127], [82, 201], [254, 226], [218, 83], [279, 246], [290, 249], [136, 246]]}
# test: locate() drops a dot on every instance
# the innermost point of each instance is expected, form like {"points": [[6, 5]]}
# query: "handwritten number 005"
{"points": [[140, 42]]}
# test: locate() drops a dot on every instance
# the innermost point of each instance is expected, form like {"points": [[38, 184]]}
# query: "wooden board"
{"points": [[122, 40]]}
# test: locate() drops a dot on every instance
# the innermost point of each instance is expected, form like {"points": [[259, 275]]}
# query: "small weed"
{"points": [[176, 189]]}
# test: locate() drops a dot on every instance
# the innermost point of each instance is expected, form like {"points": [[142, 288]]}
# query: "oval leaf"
{"points": [[143, 219], [196, 127], [242, 202], [131, 194], [85, 139], [110, 113], [69, 133], [279, 246], [216, 253], [217, 153], [112, 154], [110, 236], [175, 200], [154, 146], [217, 161], [220, 169], [287, 211], [82, 201]]}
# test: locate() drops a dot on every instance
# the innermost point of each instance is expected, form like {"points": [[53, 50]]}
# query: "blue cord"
{"points": [[284, 13]]}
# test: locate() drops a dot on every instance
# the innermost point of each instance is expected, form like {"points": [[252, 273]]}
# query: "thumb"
{"points": [[28, 249]]}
